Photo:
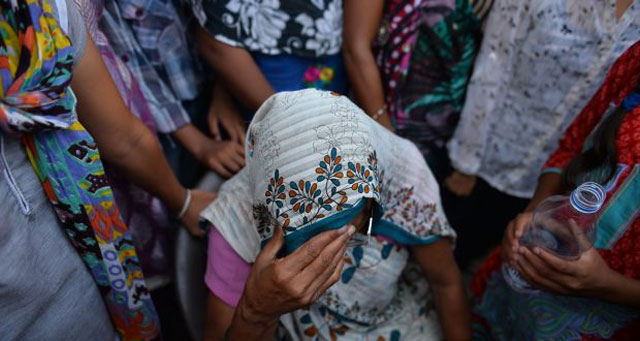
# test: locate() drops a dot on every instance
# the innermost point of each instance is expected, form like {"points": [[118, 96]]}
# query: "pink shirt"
{"points": [[226, 271]]}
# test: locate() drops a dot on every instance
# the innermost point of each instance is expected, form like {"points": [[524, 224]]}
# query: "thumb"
{"points": [[521, 222], [274, 245], [581, 237]]}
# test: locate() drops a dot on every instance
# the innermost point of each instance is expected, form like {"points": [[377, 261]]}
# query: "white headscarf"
{"points": [[312, 156]]}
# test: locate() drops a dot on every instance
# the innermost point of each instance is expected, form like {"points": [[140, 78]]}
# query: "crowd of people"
{"points": [[373, 151]]}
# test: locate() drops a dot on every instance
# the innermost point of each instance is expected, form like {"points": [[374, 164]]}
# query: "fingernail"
{"points": [[352, 230], [536, 251]]}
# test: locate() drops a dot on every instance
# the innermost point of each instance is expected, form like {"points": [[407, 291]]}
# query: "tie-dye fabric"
{"points": [[36, 102]]}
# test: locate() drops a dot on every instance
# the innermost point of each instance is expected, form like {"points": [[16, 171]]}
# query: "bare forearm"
{"points": [[365, 79], [145, 164], [238, 70], [361, 24], [445, 281], [123, 139], [548, 185], [190, 138], [620, 290], [453, 311]]}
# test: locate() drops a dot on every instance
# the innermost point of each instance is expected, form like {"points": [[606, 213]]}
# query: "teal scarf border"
{"points": [[381, 227], [621, 211]]}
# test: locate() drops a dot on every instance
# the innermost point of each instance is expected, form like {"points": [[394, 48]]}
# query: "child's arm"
{"points": [[445, 281]]}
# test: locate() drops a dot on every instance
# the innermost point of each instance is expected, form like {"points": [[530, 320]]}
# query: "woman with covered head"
{"points": [[338, 216]]}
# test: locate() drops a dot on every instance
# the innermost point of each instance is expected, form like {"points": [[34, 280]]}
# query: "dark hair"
{"points": [[601, 155]]}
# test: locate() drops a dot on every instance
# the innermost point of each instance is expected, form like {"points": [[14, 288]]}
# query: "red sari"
{"points": [[501, 313]]}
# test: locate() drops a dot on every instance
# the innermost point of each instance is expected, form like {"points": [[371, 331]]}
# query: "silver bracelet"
{"points": [[379, 113], [185, 206]]}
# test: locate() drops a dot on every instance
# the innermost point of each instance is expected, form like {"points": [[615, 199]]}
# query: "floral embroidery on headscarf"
{"points": [[315, 199]]}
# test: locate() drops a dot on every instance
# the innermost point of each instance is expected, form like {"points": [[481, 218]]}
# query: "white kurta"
{"points": [[539, 64]]}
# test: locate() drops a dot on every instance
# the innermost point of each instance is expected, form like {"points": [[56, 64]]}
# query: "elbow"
{"points": [[136, 138], [214, 52], [209, 49]]}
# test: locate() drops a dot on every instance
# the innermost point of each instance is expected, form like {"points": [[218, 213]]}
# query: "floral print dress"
{"points": [[296, 44]]}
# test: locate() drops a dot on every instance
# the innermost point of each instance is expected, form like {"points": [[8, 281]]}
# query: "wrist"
{"points": [[191, 139], [607, 284], [248, 314], [247, 321]]}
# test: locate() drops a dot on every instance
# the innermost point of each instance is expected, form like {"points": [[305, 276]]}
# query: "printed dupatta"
{"points": [[36, 102]]}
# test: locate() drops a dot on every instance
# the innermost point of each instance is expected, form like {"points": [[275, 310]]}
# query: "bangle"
{"points": [[379, 113], [185, 206]]}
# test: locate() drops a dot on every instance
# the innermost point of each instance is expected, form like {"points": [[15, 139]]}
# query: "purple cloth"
{"points": [[226, 271]]}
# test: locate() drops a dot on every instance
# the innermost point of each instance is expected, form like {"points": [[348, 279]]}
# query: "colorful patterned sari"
{"points": [[144, 214], [36, 61], [425, 53]]}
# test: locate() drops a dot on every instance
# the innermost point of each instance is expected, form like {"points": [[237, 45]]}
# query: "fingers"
{"points": [[270, 251], [214, 124], [322, 267], [580, 236], [528, 272], [335, 276], [521, 222], [231, 163], [233, 157], [239, 149], [554, 262], [238, 155], [314, 283], [242, 136], [533, 276], [231, 129], [309, 251], [220, 169], [539, 271]]}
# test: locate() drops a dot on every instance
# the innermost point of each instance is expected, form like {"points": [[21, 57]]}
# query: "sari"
{"points": [[503, 314], [145, 214], [37, 104], [425, 53]]}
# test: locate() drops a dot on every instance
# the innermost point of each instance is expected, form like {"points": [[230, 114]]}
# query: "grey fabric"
{"points": [[46, 292]]}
